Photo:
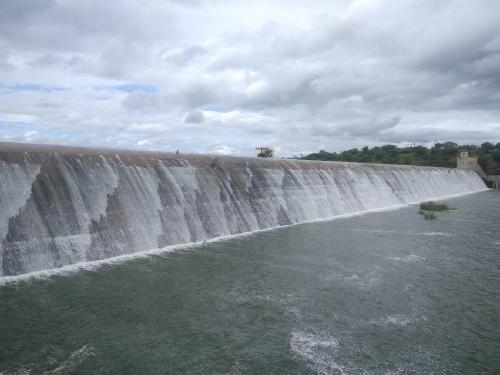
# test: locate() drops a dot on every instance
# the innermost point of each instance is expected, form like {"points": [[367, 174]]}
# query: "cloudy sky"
{"points": [[226, 76]]}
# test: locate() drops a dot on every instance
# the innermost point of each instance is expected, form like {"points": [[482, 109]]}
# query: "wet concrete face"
{"points": [[79, 204]]}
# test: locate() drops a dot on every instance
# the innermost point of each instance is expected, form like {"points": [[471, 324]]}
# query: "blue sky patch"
{"points": [[129, 87], [33, 87]]}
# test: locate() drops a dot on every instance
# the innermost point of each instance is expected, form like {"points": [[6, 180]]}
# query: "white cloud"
{"points": [[226, 76]]}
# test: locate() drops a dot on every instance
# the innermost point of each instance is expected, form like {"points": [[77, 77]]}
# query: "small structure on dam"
{"points": [[264, 152], [468, 162]]}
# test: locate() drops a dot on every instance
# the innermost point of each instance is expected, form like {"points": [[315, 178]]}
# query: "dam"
{"points": [[65, 205]]}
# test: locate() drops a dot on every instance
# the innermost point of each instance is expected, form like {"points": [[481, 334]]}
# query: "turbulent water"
{"points": [[60, 206], [382, 293]]}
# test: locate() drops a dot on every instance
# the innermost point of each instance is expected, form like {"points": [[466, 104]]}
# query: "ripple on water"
{"points": [[376, 231]]}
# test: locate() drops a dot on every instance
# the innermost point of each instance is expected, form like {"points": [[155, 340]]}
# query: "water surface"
{"points": [[383, 293]]}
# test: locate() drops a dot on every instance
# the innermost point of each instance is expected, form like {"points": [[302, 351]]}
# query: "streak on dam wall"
{"points": [[62, 205]]}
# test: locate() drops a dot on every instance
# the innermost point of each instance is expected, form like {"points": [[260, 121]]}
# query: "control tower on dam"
{"points": [[468, 162], [65, 205]]}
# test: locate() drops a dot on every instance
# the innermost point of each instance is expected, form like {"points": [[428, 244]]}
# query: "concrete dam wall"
{"points": [[61, 205]]}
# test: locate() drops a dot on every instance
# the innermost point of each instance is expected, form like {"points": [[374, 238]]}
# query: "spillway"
{"points": [[63, 205]]}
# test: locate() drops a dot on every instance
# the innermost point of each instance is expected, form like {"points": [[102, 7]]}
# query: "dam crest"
{"points": [[64, 205]]}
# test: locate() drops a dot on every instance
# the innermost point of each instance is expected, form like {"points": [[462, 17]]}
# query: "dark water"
{"points": [[384, 293]]}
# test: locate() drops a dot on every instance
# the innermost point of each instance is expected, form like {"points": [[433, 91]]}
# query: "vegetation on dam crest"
{"points": [[439, 155]]}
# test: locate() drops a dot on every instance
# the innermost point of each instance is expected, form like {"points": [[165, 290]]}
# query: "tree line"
{"points": [[439, 155]]}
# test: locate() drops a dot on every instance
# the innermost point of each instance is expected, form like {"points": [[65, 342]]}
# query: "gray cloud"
{"points": [[231, 75], [195, 117], [185, 55], [357, 129]]}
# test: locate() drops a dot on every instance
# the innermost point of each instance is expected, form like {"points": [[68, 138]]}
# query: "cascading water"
{"points": [[60, 206]]}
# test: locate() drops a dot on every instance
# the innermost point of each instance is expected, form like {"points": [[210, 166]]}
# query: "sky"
{"points": [[225, 77]]}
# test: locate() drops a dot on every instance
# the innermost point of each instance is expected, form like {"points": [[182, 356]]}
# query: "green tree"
{"points": [[440, 155]]}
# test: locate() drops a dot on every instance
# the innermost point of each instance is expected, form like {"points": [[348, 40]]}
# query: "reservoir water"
{"points": [[382, 293]]}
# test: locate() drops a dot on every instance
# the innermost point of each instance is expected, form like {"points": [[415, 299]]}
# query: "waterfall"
{"points": [[61, 205]]}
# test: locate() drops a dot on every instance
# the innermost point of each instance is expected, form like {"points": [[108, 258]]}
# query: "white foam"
{"points": [[21, 371], [74, 360], [352, 278], [365, 281], [397, 320], [69, 365], [408, 259], [443, 234], [320, 352]]}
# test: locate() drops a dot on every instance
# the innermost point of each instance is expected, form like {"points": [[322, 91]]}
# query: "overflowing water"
{"points": [[61, 206], [381, 293]]}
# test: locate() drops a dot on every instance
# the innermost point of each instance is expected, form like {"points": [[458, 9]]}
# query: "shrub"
{"points": [[433, 206]]}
